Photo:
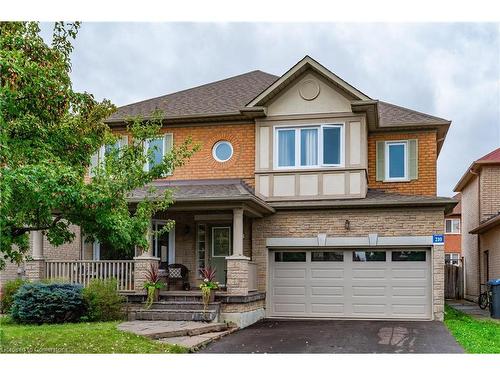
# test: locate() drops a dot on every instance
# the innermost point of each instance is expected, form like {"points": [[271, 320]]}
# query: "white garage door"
{"points": [[379, 284]]}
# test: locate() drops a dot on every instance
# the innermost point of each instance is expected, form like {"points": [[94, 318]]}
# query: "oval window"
{"points": [[222, 151]]}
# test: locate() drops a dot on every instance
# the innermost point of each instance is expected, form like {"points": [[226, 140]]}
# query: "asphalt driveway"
{"points": [[338, 336]]}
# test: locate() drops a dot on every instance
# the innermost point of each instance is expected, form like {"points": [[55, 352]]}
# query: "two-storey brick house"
{"points": [[310, 198], [480, 188]]}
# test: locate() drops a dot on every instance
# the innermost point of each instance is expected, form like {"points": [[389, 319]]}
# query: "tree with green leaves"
{"points": [[48, 134]]}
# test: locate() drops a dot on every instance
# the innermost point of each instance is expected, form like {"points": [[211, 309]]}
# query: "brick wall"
{"points": [[490, 191], [470, 220], [68, 251], [427, 159], [203, 166], [411, 222], [491, 241]]}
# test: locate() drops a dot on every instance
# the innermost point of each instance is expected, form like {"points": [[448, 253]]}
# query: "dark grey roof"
{"points": [[374, 198], [487, 224], [394, 115], [202, 191], [227, 96]]}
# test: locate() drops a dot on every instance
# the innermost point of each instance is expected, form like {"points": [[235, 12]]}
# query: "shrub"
{"points": [[104, 303], [48, 303], [9, 289]]}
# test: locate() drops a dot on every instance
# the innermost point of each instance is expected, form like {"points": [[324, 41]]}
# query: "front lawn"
{"points": [[75, 338], [475, 336]]}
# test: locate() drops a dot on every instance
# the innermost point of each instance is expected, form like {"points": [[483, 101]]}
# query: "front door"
{"points": [[160, 244], [221, 248]]}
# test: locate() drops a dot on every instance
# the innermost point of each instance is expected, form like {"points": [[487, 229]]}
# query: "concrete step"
{"points": [[167, 329], [196, 315], [193, 343], [172, 297], [184, 305]]}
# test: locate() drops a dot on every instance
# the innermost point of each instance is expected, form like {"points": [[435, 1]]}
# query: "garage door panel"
{"points": [[324, 273], [368, 273], [289, 291], [401, 274], [351, 289], [297, 273], [290, 308], [407, 309], [368, 291], [327, 308], [369, 309], [398, 291]]}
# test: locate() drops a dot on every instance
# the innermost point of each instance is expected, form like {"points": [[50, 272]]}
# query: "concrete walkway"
{"points": [[469, 308], [189, 334]]}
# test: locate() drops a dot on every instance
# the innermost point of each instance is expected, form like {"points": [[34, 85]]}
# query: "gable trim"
{"points": [[306, 63]]}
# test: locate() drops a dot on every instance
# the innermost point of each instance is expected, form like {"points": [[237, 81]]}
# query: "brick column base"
{"points": [[34, 270], [237, 275], [141, 266]]}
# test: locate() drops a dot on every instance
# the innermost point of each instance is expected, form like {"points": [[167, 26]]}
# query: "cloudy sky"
{"points": [[448, 70]]}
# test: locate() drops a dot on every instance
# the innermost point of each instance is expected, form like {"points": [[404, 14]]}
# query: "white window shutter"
{"points": [[169, 142]]}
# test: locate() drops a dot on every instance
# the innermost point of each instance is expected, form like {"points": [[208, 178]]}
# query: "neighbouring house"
{"points": [[480, 188], [452, 236], [310, 198]]}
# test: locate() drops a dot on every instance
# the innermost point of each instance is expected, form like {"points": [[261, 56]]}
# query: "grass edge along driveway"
{"points": [[474, 335], [75, 338]]}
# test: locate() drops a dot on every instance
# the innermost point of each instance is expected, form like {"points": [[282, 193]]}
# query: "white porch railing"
{"points": [[82, 271], [252, 276]]}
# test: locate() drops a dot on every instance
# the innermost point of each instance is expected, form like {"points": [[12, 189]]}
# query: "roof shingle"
{"points": [[227, 96]]}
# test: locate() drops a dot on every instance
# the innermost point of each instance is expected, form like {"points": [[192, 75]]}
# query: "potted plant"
{"points": [[153, 284], [208, 285]]}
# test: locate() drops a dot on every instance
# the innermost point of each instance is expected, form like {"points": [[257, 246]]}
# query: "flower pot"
{"points": [[212, 296]]}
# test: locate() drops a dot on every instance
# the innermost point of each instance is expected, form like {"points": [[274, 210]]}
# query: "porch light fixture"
{"points": [[347, 225]]}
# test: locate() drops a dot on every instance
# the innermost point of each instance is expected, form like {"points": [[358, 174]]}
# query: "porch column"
{"points": [[35, 268], [237, 264], [143, 262], [238, 231]]}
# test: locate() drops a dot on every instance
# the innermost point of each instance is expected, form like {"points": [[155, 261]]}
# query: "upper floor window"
{"points": [[307, 147], [397, 160], [159, 147], [98, 158], [222, 151], [452, 226]]}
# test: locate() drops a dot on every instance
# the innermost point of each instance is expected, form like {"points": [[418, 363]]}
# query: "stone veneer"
{"points": [[385, 222]]}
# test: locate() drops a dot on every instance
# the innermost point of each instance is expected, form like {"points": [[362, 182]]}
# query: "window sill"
{"points": [[397, 180]]}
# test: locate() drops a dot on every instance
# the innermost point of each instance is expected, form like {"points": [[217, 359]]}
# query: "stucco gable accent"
{"points": [[306, 63]]}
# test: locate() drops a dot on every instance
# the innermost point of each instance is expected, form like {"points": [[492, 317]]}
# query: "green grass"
{"points": [[75, 338], [475, 336]]}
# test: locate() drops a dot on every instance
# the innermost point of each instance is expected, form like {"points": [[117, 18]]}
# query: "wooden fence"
{"points": [[453, 281], [82, 271]]}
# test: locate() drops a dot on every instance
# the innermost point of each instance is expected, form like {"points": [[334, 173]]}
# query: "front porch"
{"points": [[213, 228]]}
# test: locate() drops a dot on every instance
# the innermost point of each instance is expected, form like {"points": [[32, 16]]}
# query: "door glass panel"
{"points": [[289, 256], [221, 241], [408, 256], [368, 256], [327, 256]]}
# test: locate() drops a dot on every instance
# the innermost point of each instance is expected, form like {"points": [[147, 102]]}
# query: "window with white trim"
{"points": [[452, 226], [396, 161], [97, 159], [452, 258], [309, 147], [157, 148]]}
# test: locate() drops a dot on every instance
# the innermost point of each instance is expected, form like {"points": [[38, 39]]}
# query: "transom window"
{"points": [[452, 226], [307, 147], [289, 256], [396, 158], [408, 256]]}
